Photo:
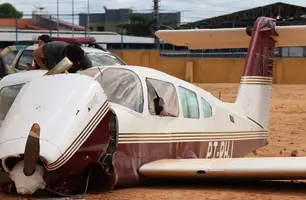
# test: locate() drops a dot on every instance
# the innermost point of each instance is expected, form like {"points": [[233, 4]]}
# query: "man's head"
{"points": [[74, 53], [43, 39]]}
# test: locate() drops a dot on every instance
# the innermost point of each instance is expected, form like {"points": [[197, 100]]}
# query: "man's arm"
{"points": [[38, 57]]}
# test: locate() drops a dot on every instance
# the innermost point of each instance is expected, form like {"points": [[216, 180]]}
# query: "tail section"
{"points": [[256, 82]]}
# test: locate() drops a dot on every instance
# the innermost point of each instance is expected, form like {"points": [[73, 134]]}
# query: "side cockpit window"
{"points": [[207, 112], [189, 103], [8, 95], [162, 98], [123, 87]]}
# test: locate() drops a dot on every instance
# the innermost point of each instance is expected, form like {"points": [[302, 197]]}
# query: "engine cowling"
{"points": [[65, 107]]}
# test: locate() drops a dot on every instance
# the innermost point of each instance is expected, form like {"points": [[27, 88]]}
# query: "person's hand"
{"points": [[31, 67]]}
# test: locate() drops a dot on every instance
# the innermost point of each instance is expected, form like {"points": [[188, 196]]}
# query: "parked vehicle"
{"points": [[10, 54], [20, 57]]}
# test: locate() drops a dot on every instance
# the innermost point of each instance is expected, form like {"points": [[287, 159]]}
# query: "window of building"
{"points": [[162, 98], [207, 112], [100, 28], [8, 95], [122, 86], [189, 103], [296, 51]]}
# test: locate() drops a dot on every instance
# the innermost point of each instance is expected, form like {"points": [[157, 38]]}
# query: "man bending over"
{"points": [[50, 54]]}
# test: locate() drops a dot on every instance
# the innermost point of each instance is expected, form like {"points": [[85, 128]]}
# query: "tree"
{"points": [[7, 10], [139, 26]]}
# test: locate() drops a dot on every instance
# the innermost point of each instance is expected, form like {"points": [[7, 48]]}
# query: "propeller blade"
{"points": [[31, 152]]}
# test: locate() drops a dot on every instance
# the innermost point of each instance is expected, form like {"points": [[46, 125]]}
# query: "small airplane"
{"points": [[125, 125]]}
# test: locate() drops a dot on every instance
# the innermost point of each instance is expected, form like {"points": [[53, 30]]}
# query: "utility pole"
{"points": [[121, 28], [87, 19], [73, 18], [156, 21], [57, 18]]}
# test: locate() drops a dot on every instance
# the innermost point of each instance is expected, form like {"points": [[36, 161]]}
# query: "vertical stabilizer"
{"points": [[254, 94]]}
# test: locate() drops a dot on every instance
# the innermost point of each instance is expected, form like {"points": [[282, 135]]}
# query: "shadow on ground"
{"points": [[281, 187], [285, 187]]}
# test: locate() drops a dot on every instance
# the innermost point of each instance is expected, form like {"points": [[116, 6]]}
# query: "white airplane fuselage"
{"points": [[74, 116], [103, 126]]}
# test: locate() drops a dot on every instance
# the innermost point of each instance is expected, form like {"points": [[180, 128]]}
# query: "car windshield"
{"points": [[103, 59], [97, 59], [9, 56]]}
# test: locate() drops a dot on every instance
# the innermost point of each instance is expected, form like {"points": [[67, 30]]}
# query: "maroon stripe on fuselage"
{"points": [[130, 157], [89, 127], [74, 170]]}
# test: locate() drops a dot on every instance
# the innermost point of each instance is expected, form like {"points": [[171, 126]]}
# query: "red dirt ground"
{"points": [[287, 134]]}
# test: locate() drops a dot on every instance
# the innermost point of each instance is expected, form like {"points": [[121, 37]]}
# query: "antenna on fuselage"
{"points": [[100, 73], [220, 95]]}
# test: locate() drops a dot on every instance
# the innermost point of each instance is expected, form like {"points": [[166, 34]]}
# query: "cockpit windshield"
{"points": [[122, 86], [103, 59], [92, 72], [8, 95]]}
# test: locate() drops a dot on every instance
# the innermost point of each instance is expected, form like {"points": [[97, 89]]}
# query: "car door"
{"points": [[9, 57], [24, 61]]}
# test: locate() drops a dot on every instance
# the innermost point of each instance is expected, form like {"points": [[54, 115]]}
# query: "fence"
{"points": [[30, 26], [14, 29]]}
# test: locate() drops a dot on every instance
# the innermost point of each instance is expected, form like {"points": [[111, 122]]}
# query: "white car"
{"points": [[98, 57]]}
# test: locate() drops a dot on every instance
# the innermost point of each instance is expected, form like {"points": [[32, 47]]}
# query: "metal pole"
{"points": [[88, 19], [72, 18], [86, 25], [50, 19], [156, 17], [16, 28], [57, 18], [121, 29]]}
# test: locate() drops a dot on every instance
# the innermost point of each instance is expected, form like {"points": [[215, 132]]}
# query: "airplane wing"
{"points": [[229, 37], [265, 168]]}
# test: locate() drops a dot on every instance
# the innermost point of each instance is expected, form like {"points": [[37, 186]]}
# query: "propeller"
{"points": [[32, 149]]}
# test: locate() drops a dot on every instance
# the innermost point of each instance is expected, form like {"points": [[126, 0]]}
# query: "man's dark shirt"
{"points": [[54, 52]]}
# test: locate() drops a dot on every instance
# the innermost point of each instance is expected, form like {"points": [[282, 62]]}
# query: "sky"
{"points": [[191, 10]]}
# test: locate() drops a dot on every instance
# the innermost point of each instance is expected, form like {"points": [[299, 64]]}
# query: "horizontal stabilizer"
{"points": [[268, 168], [229, 37]]}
